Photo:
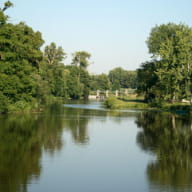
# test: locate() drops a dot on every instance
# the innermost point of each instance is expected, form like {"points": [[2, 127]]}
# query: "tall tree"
{"points": [[53, 54], [78, 82], [171, 48], [81, 59], [54, 71], [20, 58]]}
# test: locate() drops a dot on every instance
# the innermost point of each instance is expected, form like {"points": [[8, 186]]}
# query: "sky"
{"points": [[114, 32]]}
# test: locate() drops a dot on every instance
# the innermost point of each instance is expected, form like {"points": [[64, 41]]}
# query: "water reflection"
{"points": [[25, 138], [76, 123], [22, 138], [169, 138]]}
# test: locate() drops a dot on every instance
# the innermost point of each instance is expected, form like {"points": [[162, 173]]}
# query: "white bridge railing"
{"points": [[104, 94]]}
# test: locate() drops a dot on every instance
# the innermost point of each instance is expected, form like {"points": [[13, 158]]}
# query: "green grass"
{"points": [[120, 103], [138, 103]]}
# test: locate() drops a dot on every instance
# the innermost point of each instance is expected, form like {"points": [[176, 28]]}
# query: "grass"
{"points": [[125, 103], [135, 102]]}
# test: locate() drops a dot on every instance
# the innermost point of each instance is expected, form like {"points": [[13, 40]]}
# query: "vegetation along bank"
{"points": [[31, 77]]}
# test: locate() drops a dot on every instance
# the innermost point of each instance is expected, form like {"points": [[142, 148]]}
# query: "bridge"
{"points": [[104, 94]]}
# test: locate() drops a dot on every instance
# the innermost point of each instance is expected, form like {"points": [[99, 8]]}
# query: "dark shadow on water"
{"points": [[169, 138]]}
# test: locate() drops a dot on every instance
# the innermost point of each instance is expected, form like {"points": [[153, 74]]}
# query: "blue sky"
{"points": [[113, 31]]}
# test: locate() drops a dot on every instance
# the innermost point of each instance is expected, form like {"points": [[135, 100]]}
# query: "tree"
{"points": [[53, 54], [121, 78], [100, 82], [78, 82], [171, 48], [3, 17], [54, 72], [7, 5], [147, 79], [20, 57], [81, 59]]}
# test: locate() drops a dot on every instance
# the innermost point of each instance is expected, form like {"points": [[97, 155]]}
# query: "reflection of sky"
{"points": [[111, 161], [94, 105], [97, 106]]}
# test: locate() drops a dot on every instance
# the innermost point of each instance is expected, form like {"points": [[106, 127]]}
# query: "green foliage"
{"points": [[81, 59], [121, 78], [54, 55], [3, 17], [63, 81], [112, 103], [19, 106], [28, 75], [7, 5], [78, 83], [168, 77], [59, 80], [20, 56], [100, 82], [75, 88], [116, 103], [4, 102]]}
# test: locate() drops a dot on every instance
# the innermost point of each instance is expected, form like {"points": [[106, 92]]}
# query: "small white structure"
{"points": [[116, 93], [92, 97], [107, 93]]}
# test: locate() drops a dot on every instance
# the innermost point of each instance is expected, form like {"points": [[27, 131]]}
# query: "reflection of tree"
{"points": [[77, 120], [24, 137], [77, 123], [52, 128], [21, 140], [169, 138]]}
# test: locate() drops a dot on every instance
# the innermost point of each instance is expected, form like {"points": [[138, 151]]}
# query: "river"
{"points": [[82, 147]]}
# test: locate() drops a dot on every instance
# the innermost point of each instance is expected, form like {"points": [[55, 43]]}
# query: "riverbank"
{"points": [[34, 106], [123, 103], [139, 103]]}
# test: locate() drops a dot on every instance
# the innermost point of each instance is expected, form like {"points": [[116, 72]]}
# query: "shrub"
{"points": [[19, 106]]}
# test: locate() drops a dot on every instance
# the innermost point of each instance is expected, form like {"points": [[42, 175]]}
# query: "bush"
{"points": [[112, 103], [19, 106], [4, 102], [158, 103]]}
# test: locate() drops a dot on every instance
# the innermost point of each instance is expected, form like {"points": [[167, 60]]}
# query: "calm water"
{"points": [[84, 148]]}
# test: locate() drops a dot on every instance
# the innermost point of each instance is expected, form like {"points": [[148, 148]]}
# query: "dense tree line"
{"points": [[30, 77], [121, 78], [168, 76], [116, 79], [20, 59]]}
